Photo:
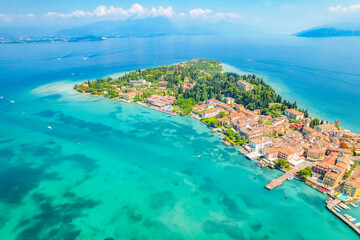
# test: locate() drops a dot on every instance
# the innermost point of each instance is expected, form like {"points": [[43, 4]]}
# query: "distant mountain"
{"points": [[96, 31], [330, 31], [123, 28], [23, 32]]}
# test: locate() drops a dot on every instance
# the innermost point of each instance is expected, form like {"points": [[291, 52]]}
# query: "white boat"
{"points": [[357, 224], [12, 101], [352, 219], [338, 206], [344, 206], [337, 209], [85, 58], [49, 127], [1, 97], [352, 204]]}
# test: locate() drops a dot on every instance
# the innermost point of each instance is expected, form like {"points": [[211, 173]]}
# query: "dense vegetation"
{"points": [[207, 81]]}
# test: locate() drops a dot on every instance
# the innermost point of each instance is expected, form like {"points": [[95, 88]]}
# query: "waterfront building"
{"points": [[332, 177], [352, 184], [286, 153], [160, 101], [271, 154], [293, 114], [210, 113], [224, 121], [245, 86], [131, 95], [255, 132], [201, 107], [259, 143], [325, 165]]}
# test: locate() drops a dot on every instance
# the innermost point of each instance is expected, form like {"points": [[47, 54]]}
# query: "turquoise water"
{"points": [[114, 170]]}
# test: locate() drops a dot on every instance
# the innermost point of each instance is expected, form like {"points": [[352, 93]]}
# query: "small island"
{"points": [[247, 113]]}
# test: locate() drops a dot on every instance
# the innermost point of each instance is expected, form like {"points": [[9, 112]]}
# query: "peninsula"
{"points": [[247, 112]]}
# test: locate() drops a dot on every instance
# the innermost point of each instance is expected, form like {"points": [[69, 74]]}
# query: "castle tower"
{"points": [[307, 122], [337, 123]]}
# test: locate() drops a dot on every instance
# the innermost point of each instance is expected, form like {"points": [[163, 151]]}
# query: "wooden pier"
{"points": [[277, 182], [331, 206]]}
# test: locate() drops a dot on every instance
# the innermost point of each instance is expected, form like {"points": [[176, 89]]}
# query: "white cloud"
{"points": [[340, 8], [135, 10], [166, 12], [227, 15], [5, 17], [198, 12], [138, 11]]}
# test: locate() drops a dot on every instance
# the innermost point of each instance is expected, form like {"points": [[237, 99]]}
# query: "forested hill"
{"points": [[197, 81]]}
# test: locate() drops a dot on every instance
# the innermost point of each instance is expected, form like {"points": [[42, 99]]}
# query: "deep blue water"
{"points": [[116, 170]]}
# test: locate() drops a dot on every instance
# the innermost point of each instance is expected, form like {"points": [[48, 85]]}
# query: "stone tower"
{"points": [[337, 123], [306, 122]]}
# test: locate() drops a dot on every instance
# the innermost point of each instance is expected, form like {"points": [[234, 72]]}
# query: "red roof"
{"points": [[214, 100]]}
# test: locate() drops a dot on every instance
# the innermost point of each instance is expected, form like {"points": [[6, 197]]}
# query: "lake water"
{"points": [[121, 171]]}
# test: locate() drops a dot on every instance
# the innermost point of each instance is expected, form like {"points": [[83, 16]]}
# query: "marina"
{"points": [[334, 205]]}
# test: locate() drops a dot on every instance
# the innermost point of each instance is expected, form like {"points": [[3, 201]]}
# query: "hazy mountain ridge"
{"points": [[122, 28], [336, 30]]}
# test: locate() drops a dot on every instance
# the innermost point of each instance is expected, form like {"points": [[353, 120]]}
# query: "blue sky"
{"points": [[278, 16]]}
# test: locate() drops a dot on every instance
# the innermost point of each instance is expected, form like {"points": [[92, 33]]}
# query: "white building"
{"points": [[260, 143]]}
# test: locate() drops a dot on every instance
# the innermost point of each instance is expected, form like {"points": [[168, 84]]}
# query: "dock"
{"points": [[277, 182], [331, 206]]}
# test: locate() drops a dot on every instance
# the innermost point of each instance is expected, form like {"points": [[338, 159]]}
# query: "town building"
{"points": [[325, 165], [160, 101], [325, 127], [333, 177], [131, 95], [271, 154], [224, 121], [214, 102], [140, 82], [286, 153], [245, 86], [229, 100], [259, 143], [352, 184], [162, 84], [255, 132], [210, 113], [315, 155], [307, 130], [199, 108], [293, 114]]}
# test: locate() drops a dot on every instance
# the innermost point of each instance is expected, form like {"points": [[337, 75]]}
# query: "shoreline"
{"points": [[70, 91]]}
